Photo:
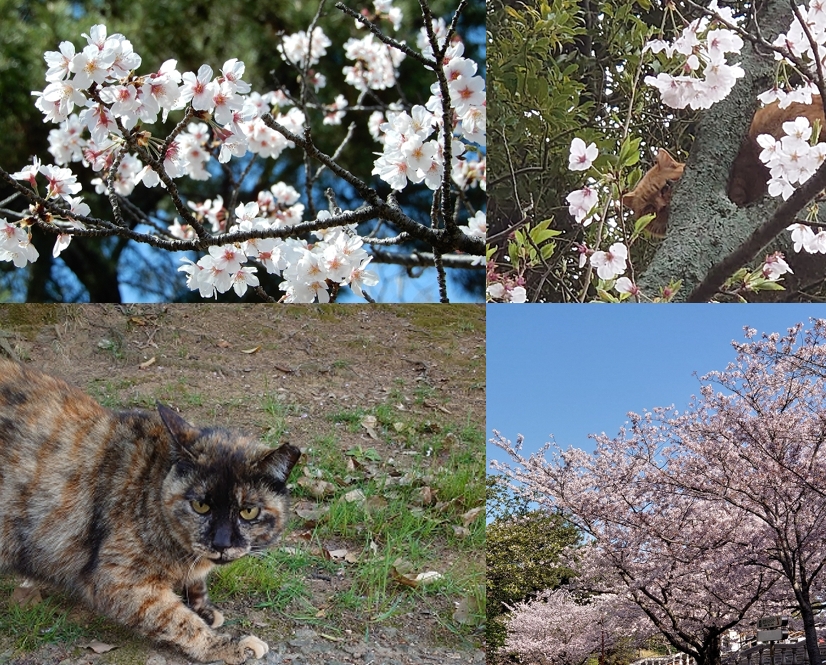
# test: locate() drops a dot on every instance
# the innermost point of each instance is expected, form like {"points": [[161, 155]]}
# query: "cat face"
{"points": [[652, 195], [225, 495]]}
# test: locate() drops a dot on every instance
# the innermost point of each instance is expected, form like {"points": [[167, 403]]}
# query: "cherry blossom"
{"points": [[118, 103], [775, 266], [581, 203], [581, 156], [611, 263]]}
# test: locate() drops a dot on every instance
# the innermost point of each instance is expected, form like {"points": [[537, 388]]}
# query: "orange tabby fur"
{"points": [[653, 192], [749, 176]]}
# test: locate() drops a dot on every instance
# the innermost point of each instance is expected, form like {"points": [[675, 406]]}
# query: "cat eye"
{"points": [[250, 513], [200, 508]]}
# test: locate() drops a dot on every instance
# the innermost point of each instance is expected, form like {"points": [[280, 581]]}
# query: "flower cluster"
{"points": [[705, 77], [308, 270], [792, 159], [581, 205], [410, 155]]}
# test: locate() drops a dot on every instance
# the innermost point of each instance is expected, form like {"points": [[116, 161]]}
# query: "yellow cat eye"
{"points": [[250, 513], [200, 508]]}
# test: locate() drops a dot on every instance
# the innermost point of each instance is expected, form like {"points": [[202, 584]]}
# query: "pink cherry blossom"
{"points": [[611, 263], [581, 156]]}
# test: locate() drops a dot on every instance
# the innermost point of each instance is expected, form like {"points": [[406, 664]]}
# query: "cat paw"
{"points": [[258, 647], [217, 619]]}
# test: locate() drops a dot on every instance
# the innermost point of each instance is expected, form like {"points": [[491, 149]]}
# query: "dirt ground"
{"points": [[215, 363]]}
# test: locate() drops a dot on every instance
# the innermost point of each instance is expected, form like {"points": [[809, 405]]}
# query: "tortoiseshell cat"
{"points": [[129, 509]]}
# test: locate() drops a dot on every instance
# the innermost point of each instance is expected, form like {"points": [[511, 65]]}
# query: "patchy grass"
{"points": [[402, 504]]}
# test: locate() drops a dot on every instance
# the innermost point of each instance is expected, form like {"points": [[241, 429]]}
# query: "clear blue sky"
{"points": [[573, 370]]}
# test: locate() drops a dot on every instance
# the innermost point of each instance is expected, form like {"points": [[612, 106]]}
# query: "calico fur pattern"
{"points": [[130, 510]]}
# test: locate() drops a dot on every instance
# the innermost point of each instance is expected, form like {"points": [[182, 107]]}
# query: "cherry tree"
{"points": [[668, 552], [111, 117], [557, 628], [726, 500]]}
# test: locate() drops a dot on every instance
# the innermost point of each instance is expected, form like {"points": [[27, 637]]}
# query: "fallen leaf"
{"points": [[354, 495], [148, 363], [26, 596], [471, 515], [317, 487], [400, 573], [223, 344], [369, 423], [425, 496], [332, 638], [98, 647], [351, 557], [375, 503], [467, 611], [137, 320], [336, 555], [399, 426], [253, 350], [461, 531], [307, 510]]}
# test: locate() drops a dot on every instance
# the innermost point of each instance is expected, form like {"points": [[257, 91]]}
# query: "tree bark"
{"points": [[704, 225]]}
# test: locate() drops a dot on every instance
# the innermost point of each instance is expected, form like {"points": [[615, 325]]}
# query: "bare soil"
{"points": [[216, 364]]}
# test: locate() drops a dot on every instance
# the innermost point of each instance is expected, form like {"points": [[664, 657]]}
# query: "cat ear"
{"points": [[182, 432], [280, 461]]}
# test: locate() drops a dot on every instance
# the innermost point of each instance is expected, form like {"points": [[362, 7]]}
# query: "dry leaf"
{"points": [[317, 487], [253, 350], [369, 423], [223, 344], [98, 647], [399, 426], [307, 510], [336, 555], [351, 557], [354, 495], [402, 576], [26, 596], [375, 503], [137, 320], [471, 515], [465, 611], [461, 531], [147, 363], [425, 496]]}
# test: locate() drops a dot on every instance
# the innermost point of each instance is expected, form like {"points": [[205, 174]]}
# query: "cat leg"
{"points": [[161, 615], [197, 598]]}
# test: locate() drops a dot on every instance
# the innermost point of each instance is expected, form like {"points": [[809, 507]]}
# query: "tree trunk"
{"points": [[808, 616], [709, 652], [704, 226]]}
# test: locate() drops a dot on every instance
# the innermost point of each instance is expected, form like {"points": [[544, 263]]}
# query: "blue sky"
{"points": [[573, 370]]}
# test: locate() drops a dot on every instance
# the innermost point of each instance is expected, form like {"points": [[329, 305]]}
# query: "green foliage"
{"points": [[558, 70], [522, 547]]}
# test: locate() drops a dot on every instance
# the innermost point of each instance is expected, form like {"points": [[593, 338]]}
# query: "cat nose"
{"points": [[222, 538]]}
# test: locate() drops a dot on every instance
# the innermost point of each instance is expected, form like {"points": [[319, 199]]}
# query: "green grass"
{"points": [[43, 622], [417, 456]]}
